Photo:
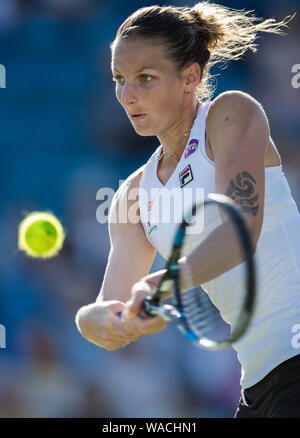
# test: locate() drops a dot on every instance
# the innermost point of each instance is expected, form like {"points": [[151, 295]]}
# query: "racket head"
{"points": [[200, 320]]}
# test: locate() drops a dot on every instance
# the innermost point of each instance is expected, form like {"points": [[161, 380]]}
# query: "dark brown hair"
{"points": [[206, 34]]}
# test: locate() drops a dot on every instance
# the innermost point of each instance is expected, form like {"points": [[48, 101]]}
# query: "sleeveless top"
{"points": [[269, 339]]}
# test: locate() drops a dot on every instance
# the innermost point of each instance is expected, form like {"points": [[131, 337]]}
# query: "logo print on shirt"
{"points": [[192, 147], [150, 203], [154, 227], [186, 176]]}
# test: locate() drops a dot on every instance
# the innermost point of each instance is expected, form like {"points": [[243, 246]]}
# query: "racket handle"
{"points": [[146, 310], [147, 307], [140, 314], [167, 312]]}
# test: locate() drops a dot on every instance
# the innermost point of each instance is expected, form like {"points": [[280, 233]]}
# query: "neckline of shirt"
{"points": [[195, 129]]}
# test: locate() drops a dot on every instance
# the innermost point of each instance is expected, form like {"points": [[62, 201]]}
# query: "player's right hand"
{"points": [[100, 324]]}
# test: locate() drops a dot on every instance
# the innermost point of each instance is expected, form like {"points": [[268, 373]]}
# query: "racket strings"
{"points": [[202, 316], [197, 316], [196, 309]]}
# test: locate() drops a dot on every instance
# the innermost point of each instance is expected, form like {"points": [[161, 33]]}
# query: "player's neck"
{"points": [[174, 140]]}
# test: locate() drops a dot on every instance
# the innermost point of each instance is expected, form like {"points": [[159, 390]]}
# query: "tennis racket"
{"points": [[194, 312]]}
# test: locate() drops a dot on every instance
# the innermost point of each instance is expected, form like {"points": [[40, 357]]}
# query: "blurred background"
{"points": [[58, 146]]}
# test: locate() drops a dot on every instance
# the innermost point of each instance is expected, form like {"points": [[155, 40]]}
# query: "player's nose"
{"points": [[128, 95]]}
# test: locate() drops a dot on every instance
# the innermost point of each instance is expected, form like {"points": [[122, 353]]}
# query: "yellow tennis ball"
{"points": [[41, 235]]}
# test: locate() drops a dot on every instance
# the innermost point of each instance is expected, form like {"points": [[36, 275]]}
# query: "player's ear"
{"points": [[191, 76]]}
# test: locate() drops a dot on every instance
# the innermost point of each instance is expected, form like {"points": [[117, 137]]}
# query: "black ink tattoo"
{"points": [[242, 191]]}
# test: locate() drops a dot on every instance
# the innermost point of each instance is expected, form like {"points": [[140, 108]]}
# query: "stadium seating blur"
{"points": [[63, 136]]}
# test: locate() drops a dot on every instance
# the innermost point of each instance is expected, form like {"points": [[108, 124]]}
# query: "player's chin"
{"points": [[144, 131]]}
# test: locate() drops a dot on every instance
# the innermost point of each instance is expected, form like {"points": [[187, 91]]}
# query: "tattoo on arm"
{"points": [[242, 191]]}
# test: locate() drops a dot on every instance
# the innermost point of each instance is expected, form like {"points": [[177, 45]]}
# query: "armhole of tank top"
{"points": [[144, 225], [142, 219], [147, 236], [203, 142], [146, 179]]}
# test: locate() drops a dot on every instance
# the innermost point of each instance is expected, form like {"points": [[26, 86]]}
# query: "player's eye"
{"points": [[118, 79], [146, 78]]}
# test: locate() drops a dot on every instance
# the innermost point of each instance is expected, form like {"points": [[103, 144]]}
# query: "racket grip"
{"points": [[147, 307], [146, 310], [140, 314]]}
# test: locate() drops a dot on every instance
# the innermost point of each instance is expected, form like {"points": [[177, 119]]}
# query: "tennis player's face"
{"points": [[147, 86]]}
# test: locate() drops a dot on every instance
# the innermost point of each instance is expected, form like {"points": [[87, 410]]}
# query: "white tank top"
{"points": [[269, 340]]}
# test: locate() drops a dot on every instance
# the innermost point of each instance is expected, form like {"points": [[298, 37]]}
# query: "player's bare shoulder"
{"points": [[124, 208], [234, 111], [230, 103]]}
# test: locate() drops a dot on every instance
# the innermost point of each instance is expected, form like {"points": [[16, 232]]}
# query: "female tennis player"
{"points": [[161, 61]]}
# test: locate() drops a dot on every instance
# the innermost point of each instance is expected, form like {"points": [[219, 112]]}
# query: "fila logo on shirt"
{"points": [[186, 176]]}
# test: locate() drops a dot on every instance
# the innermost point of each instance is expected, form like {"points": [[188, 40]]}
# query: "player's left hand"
{"points": [[145, 287]]}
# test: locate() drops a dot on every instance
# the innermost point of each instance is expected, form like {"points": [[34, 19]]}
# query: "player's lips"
{"points": [[137, 116]]}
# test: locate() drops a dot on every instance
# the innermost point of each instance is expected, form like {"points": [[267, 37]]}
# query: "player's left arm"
{"points": [[238, 133]]}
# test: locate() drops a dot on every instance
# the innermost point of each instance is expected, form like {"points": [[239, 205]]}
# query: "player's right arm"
{"points": [[130, 258], [131, 254]]}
